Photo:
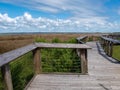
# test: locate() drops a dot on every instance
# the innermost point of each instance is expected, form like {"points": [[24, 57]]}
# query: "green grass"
{"points": [[60, 60], [118, 38], [22, 71], [116, 52], [53, 60]]}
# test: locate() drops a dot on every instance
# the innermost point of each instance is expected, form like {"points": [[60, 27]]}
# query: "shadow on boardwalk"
{"points": [[101, 52]]}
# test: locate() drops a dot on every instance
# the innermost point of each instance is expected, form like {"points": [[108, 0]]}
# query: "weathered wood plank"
{"points": [[6, 74], [84, 63], [10, 56], [103, 75], [79, 39], [37, 61], [61, 45], [110, 49], [111, 40]]}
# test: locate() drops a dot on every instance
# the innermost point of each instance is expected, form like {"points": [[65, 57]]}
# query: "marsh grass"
{"points": [[116, 52], [53, 60]]}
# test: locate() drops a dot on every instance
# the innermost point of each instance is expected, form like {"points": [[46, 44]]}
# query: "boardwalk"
{"points": [[103, 75]]}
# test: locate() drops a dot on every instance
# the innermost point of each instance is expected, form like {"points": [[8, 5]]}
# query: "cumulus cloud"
{"points": [[26, 23]]}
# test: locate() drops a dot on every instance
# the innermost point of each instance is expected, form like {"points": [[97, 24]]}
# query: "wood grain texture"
{"points": [[111, 40], [102, 75], [37, 61], [62, 45], [12, 55], [79, 39], [6, 74], [84, 63]]}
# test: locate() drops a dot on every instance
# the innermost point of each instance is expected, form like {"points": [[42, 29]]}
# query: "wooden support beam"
{"points": [[110, 49], [62, 45], [84, 62], [37, 61], [104, 45], [102, 42], [6, 74]]}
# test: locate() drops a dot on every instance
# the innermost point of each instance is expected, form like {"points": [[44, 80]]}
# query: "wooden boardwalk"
{"points": [[102, 75]]}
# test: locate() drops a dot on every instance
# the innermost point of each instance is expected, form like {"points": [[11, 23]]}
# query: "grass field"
{"points": [[22, 68], [21, 71], [53, 60], [11, 42], [116, 52]]}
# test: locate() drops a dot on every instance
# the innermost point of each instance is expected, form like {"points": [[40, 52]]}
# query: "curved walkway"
{"points": [[103, 75], [106, 72]]}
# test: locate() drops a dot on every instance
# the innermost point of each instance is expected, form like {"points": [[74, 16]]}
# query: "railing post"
{"points": [[106, 47], [103, 43], [6, 74], [110, 49], [37, 61], [84, 63]]}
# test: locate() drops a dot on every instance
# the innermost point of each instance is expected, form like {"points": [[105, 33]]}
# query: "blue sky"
{"points": [[59, 16]]}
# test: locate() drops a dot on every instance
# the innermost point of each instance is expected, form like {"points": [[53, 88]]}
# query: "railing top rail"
{"points": [[61, 45], [111, 40], [12, 55], [80, 38]]}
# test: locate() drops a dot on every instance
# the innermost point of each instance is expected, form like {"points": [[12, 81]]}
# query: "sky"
{"points": [[59, 16]]}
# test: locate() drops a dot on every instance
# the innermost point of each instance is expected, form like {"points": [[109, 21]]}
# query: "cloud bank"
{"points": [[26, 23], [85, 16]]}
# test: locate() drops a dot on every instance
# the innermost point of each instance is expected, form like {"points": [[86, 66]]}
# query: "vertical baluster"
{"points": [[111, 49], [6, 74], [37, 61], [84, 63]]}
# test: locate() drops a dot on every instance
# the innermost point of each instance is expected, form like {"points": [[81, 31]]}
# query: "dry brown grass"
{"points": [[10, 42]]}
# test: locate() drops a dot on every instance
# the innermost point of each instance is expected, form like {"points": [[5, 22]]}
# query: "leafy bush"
{"points": [[60, 60], [116, 52], [22, 71], [56, 40], [53, 60], [40, 40], [72, 40]]}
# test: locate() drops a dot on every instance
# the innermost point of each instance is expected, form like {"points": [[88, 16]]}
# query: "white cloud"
{"points": [[27, 23]]}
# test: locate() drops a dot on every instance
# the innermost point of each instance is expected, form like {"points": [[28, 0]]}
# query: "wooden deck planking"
{"points": [[102, 75]]}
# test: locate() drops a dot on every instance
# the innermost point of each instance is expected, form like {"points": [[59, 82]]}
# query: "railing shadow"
{"points": [[101, 52]]}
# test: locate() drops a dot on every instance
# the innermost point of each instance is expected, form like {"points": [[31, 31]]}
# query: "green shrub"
{"points": [[22, 71], [60, 60], [38, 39], [53, 60], [56, 40], [72, 40], [116, 52]]}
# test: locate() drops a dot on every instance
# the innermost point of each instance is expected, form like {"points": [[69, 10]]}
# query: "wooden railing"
{"points": [[81, 40], [107, 44], [8, 57]]}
